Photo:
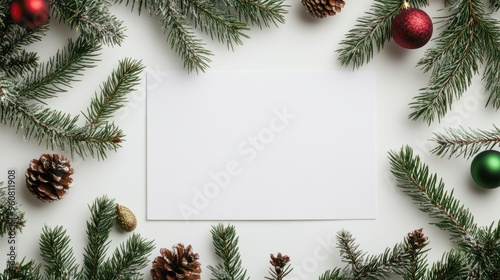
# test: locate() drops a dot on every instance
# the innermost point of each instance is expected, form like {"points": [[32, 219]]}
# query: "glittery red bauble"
{"points": [[411, 28], [30, 14]]}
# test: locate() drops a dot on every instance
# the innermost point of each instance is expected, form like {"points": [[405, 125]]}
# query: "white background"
{"points": [[302, 44]]}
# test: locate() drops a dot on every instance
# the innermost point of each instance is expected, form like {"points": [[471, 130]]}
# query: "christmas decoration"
{"points": [[323, 8], [26, 83], [180, 263], [49, 177], [225, 241], [125, 218], [280, 267], [411, 28], [469, 37], [485, 169], [465, 142], [12, 219], [30, 13], [126, 262]]}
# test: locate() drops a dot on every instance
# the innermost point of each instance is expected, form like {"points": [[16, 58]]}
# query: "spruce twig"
{"points": [[414, 179], [59, 262], [179, 18], [372, 30], [465, 142], [280, 267], [469, 38], [12, 219], [479, 249], [91, 18], [225, 242]]}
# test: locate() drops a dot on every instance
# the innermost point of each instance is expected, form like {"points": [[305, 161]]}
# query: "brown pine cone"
{"points": [[180, 263], [49, 177], [323, 8]]}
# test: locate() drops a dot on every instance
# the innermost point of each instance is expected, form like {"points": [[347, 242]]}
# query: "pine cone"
{"points": [[279, 262], [323, 8], [49, 177], [417, 239], [180, 263]]}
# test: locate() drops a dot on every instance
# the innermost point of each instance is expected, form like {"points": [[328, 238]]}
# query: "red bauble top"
{"points": [[30, 14], [412, 28]]}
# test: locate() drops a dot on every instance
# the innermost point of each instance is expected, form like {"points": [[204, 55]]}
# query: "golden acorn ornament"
{"points": [[125, 218]]}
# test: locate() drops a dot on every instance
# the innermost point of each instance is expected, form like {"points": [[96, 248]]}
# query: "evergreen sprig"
{"points": [[469, 38], [59, 262], [53, 77], [12, 219], [465, 141], [479, 249], [22, 109], [226, 20], [225, 242], [372, 31], [91, 18]]}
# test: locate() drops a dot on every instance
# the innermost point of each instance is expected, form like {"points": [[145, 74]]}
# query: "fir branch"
{"points": [[57, 254], [91, 18], [215, 22], [490, 30], [14, 38], [454, 61], [372, 30], [495, 4], [19, 63], [280, 267], [52, 77], [465, 142], [12, 220], [414, 179], [181, 37], [259, 12], [128, 260], [333, 274], [22, 271], [103, 214], [126, 263], [225, 242], [416, 242], [113, 93], [350, 253], [453, 265]]}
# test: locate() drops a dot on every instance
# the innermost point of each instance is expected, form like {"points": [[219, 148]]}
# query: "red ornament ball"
{"points": [[30, 14], [412, 28]]}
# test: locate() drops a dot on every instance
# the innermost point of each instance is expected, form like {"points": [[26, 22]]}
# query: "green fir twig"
{"points": [[226, 20], [479, 249], [372, 31], [12, 220], [225, 242], [59, 262], [465, 142]]}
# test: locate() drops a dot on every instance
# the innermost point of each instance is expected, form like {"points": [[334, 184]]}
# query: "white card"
{"points": [[261, 146]]}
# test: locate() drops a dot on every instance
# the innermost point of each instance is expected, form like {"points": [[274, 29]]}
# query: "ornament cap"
{"points": [[406, 5]]}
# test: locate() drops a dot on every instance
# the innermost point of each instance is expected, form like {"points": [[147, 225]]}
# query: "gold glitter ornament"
{"points": [[125, 218]]}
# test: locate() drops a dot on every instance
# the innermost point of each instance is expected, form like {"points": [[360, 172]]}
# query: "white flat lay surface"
{"points": [[302, 44], [261, 146]]}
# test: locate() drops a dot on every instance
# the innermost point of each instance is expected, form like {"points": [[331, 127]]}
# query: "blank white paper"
{"points": [[261, 146]]}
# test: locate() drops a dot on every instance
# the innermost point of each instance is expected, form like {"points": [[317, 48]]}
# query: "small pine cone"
{"points": [[417, 239], [279, 262], [323, 8], [49, 177], [180, 263]]}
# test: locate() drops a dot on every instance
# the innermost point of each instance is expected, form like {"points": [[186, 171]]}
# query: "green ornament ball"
{"points": [[485, 169]]}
